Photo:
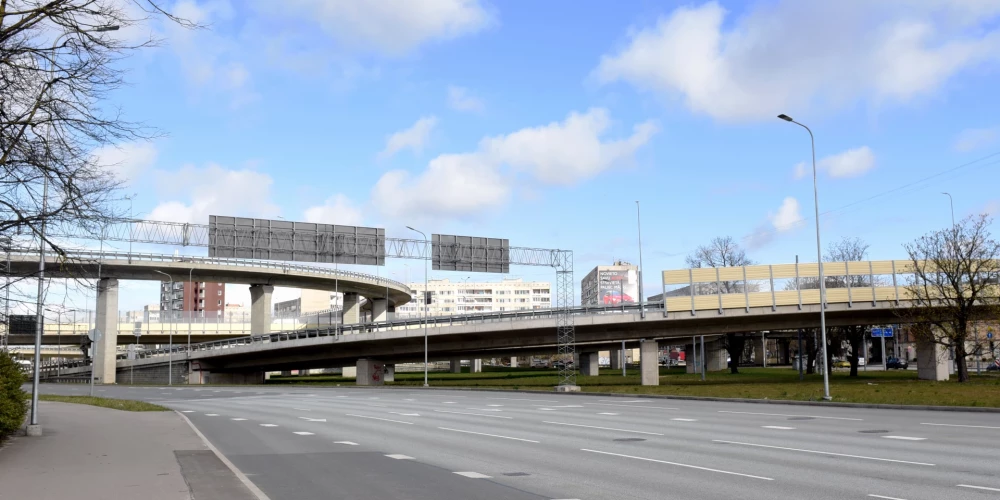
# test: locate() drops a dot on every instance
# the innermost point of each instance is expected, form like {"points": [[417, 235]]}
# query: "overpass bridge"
{"points": [[262, 276], [744, 305]]}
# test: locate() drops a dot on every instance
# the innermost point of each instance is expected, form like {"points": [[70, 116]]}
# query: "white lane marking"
{"points": [[604, 428], [546, 409], [304, 433], [678, 464], [408, 400], [904, 438], [348, 443], [606, 413], [473, 475], [977, 487], [527, 399], [476, 414], [494, 405], [301, 409], [211, 414], [382, 419], [307, 419], [268, 425], [788, 415], [822, 452], [341, 396], [885, 497], [634, 406], [620, 401], [405, 414], [237, 419], [400, 457], [490, 435], [778, 427], [484, 409], [187, 411], [959, 425], [685, 419]]}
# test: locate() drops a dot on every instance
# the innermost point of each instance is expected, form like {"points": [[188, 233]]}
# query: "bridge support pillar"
{"points": [[715, 354], [456, 366], [107, 324], [370, 372], [380, 310], [260, 309], [588, 364], [475, 366], [351, 312], [390, 373], [932, 361], [616, 359], [649, 362], [513, 361]]}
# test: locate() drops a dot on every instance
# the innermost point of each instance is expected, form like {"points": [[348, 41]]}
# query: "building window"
{"points": [[220, 302], [522, 292], [220, 292]]}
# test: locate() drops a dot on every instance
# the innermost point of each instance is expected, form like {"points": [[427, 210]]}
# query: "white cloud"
{"points": [[337, 209], [128, 160], [976, 138], [392, 27], [214, 190], [850, 163], [412, 138], [460, 100], [794, 55], [560, 153], [801, 171], [788, 215]]}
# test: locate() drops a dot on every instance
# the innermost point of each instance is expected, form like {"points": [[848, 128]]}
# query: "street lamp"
{"points": [[41, 250], [426, 294], [638, 225], [951, 201], [819, 262], [170, 348]]}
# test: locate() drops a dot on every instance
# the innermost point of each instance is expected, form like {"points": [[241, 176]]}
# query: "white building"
{"points": [[448, 298], [310, 301]]}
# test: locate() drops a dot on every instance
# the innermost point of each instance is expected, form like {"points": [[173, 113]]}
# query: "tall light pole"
{"points": [[951, 201], [33, 422], [194, 297], [170, 349], [638, 224], [819, 262], [427, 256]]}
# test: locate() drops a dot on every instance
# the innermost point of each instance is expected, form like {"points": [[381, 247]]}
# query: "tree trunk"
{"points": [[734, 346], [810, 355], [963, 366], [857, 340]]}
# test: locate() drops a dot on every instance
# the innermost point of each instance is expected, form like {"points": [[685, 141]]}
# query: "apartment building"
{"points": [[461, 297], [192, 299]]}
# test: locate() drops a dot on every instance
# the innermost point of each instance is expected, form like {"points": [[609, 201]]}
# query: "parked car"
{"points": [[842, 364], [994, 366], [560, 363], [896, 363]]}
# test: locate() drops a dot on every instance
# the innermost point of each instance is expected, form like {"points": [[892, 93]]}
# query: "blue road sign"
{"points": [[882, 332], [876, 332], [989, 334], [887, 332]]}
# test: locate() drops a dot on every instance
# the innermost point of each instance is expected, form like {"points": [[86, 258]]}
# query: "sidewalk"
{"points": [[95, 453]]}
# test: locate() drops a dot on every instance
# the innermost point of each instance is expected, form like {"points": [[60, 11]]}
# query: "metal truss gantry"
{"points": [[200, 235]]}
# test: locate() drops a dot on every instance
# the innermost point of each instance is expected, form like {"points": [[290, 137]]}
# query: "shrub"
{"points": [[13, 404]]}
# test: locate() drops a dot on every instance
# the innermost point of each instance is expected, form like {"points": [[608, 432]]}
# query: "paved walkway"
{"points": [[95, 453]]}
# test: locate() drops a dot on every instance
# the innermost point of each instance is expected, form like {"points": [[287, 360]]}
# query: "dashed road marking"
{"points": [[685, 419], [905, 438], [778, 427], [977, 487], [490, 435], [788, 415], [604, 428], [473, 475], [377, 418], [885, 497], [304, 433], [822, 452], [268, 425], [237, 419], [400, 457], [606, 413], [187, 411], [679, 464], [475, 414], [969, 426], [211, 414], [348, 443]]}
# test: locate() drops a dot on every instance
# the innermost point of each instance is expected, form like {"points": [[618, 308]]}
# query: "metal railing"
{"points": [[94, 256]]}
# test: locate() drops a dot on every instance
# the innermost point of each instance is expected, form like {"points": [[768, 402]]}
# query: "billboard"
{"points": [[267, 239], [23, 324], [470, 254], [616, 287]]}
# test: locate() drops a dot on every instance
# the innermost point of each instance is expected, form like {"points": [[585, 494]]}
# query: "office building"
{"points": [[610, 285], [192, 299], [310, 301], [454, 298]]}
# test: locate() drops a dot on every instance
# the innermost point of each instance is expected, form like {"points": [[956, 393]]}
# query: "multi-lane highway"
{"points": [[305, 443]]}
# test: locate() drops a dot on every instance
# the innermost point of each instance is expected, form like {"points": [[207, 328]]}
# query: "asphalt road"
{"points": [[347, 443]]}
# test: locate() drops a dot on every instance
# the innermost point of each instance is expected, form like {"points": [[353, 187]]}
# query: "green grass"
{"points": [[116, 404], [877, 387]]}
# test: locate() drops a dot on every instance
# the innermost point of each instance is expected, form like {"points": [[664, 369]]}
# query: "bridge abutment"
{"points": [[260, 309], [107, 323]]}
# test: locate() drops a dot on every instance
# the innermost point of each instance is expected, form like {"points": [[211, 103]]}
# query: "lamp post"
{"points": [[41, 253], [170, 348], [194, 297], [819, 262], [951, 201], [427, 257], [638, 225]]}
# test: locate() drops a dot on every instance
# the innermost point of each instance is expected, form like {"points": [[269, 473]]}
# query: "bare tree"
{"points": [[723, 252], [955, 282], [848, 250]]}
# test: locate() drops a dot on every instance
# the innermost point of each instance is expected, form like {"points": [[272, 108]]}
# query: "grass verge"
{"points": [[116, 404], [782, 383]]}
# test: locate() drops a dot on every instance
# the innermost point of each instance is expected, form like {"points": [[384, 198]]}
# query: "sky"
{"points": [[545, 123]]}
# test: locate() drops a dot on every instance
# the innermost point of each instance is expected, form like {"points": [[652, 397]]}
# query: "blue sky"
{"points": [[543, 122]]}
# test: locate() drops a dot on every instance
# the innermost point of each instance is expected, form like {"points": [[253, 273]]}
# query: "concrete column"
{"points": [[390, 373], [513, 361], [689, 359], [260, 309], [107, 323], [456, 366], [349, 372], [475, 366], [648, 362], [715, 357], [758, 351], [932, 361], [380, 310], [352, 309], [616, 359], [588, 364], [370, 372]]}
